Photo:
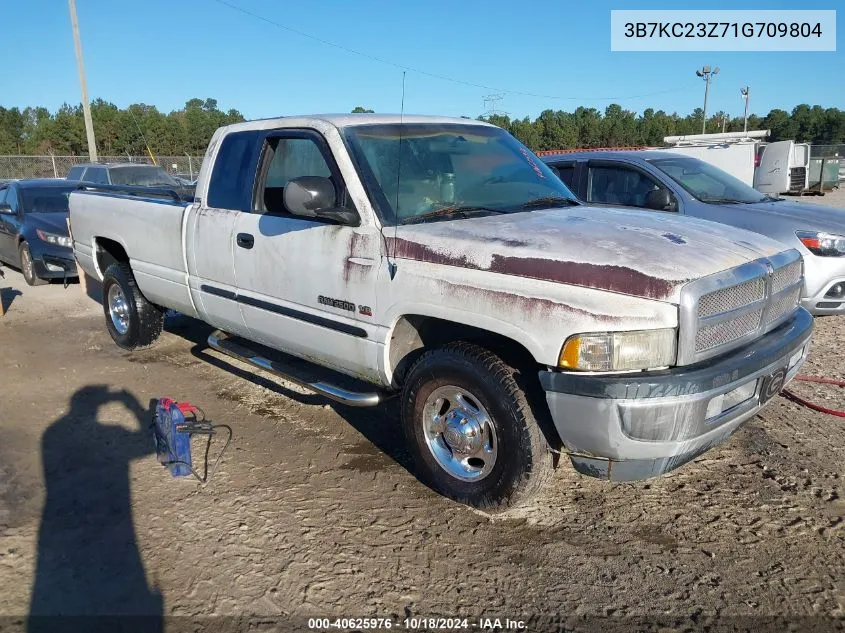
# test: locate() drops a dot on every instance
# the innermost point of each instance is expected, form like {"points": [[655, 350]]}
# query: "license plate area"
{"points": [[773, 384]]}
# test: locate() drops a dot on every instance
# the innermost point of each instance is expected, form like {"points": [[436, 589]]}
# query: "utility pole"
{"points": [[707, 74], [746, 93], [490, 102], [80, 66]]}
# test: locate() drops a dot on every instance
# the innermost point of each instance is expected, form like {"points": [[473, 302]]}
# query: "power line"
{"points": [[419, 71]]}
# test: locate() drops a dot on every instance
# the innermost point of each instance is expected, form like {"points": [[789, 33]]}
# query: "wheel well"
{"points": [[109, 252], [414, 334]]}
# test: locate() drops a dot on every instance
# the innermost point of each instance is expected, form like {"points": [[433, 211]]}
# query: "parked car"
{"points": [[440, 261], [33, 229], [669, 184], [132, 174]]}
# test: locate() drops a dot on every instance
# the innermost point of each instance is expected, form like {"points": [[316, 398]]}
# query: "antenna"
{"points": [[391, 264]]}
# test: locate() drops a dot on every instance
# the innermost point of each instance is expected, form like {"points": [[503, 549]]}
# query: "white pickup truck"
{"points": [[439, 260]]}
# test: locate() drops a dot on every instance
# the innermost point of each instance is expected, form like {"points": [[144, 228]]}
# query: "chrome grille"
{"points": [[786, 276], [726, 310], [783, 304], [731, 298], [723, 332]]}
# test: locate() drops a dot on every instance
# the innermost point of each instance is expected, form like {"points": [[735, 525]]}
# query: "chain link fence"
{"points": [[52, 166], [831, 151]]}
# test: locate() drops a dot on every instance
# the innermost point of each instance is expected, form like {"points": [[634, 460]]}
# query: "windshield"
{"points": [[444, 170], [45, 199], [142, 177], [706, 182]]}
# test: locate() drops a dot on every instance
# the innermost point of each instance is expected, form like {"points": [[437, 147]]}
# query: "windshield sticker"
{"points": [[532, 162]]}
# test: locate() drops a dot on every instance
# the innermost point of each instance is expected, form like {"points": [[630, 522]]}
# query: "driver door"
{"points": [[305, 285]]}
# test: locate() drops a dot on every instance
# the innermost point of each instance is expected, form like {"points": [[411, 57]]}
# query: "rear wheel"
{"points": [[472, 430], [131, 320], [28, 266]]}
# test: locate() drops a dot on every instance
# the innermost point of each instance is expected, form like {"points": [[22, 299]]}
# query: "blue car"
{"points": [[33, 229]]}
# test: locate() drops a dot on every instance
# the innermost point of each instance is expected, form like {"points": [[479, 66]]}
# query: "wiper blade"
{"points": [[458, 210], [549, 201], [724, 201]]}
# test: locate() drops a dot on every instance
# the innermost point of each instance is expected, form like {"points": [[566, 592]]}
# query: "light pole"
{"points": [[706, 73], [80, 65], [746, 93]]}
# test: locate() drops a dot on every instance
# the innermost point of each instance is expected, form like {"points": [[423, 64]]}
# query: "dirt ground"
{"points": [[313, 512]]}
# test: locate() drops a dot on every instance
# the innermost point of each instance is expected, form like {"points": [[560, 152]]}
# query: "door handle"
{"points": [[245, 240]]}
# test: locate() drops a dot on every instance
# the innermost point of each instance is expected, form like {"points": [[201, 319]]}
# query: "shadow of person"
{"points": [[89, 574]]}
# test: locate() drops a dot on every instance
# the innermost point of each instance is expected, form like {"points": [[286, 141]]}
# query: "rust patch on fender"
{"points": [[405, 249]]}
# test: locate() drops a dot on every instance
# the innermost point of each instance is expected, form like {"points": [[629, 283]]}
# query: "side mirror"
{"points": [[5, 209], [314, 197], [660, 200]]}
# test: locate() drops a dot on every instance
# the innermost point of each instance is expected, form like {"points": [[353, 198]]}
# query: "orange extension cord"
{"points": [[811, 405]]}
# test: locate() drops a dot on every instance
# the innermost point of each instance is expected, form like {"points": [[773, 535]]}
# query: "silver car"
{"points": [[670, 183]]}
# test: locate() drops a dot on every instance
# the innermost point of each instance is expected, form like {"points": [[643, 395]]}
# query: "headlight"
{"points": [[824, 244], [617, 351], [52, 238]]}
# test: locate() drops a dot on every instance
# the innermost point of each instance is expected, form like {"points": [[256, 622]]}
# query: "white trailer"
{"points": [[783, 167], [733, 152]]}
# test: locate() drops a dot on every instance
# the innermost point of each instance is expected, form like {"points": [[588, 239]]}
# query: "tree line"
{"points": [[119, 131], [616, 127]]}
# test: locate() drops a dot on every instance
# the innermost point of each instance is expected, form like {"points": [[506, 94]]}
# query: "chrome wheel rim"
{"points": [[118, 309], [459, 433]]}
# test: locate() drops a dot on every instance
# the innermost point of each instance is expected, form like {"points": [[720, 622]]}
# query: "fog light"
{"points": [[718, 405], [53, 267], [793, 360], [836, 291]]}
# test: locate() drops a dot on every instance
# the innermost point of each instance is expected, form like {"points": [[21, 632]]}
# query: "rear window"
{"points": [[233, 176], [141, 176]]}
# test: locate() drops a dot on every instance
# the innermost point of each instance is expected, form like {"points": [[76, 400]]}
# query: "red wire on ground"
{"points": [[810, 405]]}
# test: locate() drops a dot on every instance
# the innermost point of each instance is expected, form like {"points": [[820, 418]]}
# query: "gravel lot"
{"points": [[313, 512]]}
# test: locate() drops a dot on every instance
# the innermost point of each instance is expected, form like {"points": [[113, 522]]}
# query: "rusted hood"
{"points": [[638, 253]]}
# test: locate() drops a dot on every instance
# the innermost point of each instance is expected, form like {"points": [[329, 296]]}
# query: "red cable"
{"points": [[810, 405], [826, 381]]}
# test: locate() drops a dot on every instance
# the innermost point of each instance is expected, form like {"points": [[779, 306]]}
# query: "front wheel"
{"points": [[28, 266], [472, 430], [131, 320]]}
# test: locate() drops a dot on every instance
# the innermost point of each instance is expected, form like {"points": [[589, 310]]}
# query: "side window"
{"points": [[12, 198], [3, 195], [566, 172], [97, 175], [288, 158], [75, 172], [233, 176], [619, 185]]}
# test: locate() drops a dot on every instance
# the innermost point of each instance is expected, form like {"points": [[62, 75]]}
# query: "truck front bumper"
{"points": [[632, 426]]}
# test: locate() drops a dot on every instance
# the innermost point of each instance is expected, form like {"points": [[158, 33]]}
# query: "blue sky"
{"points": [[163, 52]]}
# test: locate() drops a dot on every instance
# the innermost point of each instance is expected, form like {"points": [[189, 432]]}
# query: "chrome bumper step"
{"points": [[222, 342]]}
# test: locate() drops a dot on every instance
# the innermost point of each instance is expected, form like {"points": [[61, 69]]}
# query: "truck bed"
{"points": [[150, 228]]}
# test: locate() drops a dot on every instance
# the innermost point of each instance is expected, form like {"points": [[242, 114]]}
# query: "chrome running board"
{"points": [[223, 343]]}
